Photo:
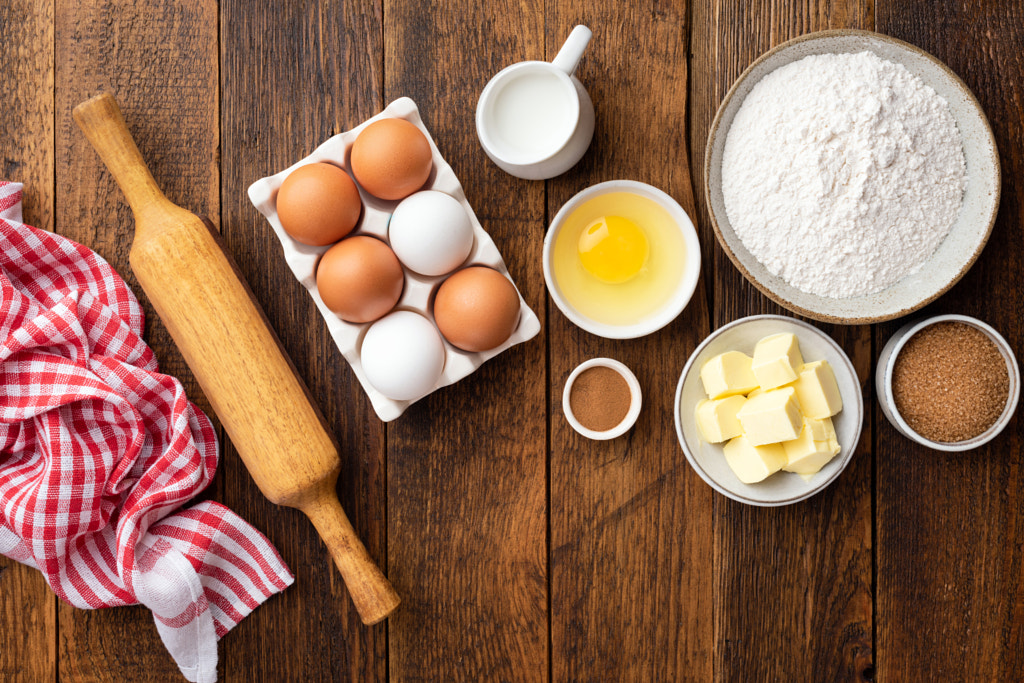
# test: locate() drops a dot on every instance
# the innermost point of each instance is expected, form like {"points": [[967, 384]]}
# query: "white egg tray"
{"points": [[418, 293]]}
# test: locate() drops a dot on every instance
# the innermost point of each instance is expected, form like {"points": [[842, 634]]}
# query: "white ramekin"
{"points": [[636, 399]]}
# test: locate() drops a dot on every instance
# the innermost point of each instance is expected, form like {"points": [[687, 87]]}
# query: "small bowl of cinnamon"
{"points": [[949, 382], [601, 399]]}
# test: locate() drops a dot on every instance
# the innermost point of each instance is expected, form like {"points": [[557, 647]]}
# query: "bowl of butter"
{"points": [[768, 410]]}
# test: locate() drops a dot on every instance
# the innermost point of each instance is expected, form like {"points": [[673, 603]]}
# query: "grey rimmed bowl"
{"points": [[887, 402], [966, 238], [708, 459]]}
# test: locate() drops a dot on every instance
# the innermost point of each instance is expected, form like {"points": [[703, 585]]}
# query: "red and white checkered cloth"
{"points": [[98, 451]]}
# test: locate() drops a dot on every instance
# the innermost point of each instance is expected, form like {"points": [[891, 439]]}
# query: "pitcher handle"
{"points": [[569, 56]]}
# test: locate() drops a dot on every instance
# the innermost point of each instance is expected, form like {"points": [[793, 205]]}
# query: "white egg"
{"points": [[431, 233], [403, 355]]}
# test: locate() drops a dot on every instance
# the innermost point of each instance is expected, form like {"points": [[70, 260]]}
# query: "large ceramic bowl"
{"points": [[966, 238], [781, 488]]}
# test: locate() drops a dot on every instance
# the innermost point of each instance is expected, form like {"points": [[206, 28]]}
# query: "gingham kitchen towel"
{"points": [[100, 451]]}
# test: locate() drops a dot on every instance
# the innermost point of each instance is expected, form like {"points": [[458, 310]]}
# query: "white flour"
{"points": [[842, 173]]}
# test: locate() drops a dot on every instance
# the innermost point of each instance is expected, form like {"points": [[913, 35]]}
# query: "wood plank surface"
{"points": [[291, 78], [160, 61], [522, 551], [467, 465], [28, 608], [793, 584], [949, 526], [631, 522]]}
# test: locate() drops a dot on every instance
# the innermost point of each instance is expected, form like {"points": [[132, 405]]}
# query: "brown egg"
{"points": [[359, 279], [318, 204], [476, 309], [391, 158]]}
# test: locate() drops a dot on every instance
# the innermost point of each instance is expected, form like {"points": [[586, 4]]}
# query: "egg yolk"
{"points": [[613, 249]]}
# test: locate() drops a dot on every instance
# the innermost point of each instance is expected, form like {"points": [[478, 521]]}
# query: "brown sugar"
{"points": [[950, 382], [600, 398]]}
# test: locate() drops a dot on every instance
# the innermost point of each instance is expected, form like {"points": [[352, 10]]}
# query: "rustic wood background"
{"points": [[522, 551]]}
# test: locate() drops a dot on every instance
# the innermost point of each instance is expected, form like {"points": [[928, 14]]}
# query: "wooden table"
{"points": [[521, 550]]}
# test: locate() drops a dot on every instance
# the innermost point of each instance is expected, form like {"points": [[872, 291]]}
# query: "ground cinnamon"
{"points": [[950, 382], [600, 398]]}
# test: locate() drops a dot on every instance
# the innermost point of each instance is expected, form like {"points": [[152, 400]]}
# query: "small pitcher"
{"points": [[534, 119]]}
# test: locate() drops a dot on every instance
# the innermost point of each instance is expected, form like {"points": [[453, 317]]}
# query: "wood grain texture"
{"points": [[793, 585], [28, 625], [631, 523], [949, 526], [466, 466], [160, 60], [28, 608], [290, 79], [26, 127], [524, 552]]}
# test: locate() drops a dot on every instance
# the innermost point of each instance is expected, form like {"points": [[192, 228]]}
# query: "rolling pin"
{"points": [[225, 338]]}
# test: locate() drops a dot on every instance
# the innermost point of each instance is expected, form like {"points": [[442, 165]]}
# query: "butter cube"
{"points": [[776, 360], [771, 417], [717, 419], [755, 392], [727, 374], [817, 391], [808, 453], [751, 463], [821, 430]]}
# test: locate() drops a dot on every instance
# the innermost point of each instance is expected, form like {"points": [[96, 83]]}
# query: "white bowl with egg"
{"points": [[954, 255], [646, 301], [781, 488]]}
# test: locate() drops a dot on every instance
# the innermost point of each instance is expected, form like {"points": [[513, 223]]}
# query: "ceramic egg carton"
{"points": [[419, 290]]}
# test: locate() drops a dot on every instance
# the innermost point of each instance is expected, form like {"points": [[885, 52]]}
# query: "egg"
{"points": [[359, 279], [476, 309], [618, 258], [318, 204], [403, 356], [613, 249], [391, 158], [431, 233]]}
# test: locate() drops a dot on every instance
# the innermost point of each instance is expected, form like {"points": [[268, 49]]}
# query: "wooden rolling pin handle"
{"points": [[373, 595], [103, 124]]}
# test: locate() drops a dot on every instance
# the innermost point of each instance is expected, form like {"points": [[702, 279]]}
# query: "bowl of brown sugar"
{"points": [[601, 399], [949, 382]]}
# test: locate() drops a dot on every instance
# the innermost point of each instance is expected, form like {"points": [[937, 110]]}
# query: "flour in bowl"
{"points": [[842, 173]]}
